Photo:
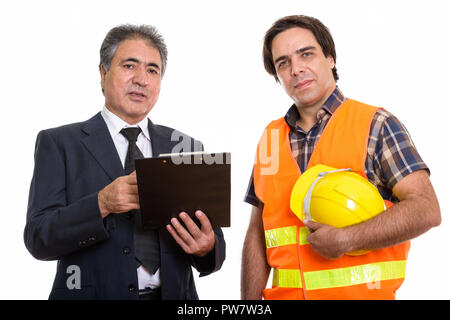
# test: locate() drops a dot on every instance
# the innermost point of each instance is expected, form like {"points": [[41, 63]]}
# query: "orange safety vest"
{"points": [[298, 271]]}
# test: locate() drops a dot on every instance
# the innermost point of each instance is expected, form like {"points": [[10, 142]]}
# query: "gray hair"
{"points": [[128, 31]]}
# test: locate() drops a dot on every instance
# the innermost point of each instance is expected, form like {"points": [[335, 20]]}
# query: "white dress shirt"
{"points": [[115, 124]]}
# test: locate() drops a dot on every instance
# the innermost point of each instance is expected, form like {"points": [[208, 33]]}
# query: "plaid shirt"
{"points": [[391, 154]]}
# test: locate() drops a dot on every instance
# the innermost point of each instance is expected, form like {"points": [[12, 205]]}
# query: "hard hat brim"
{"points": [[302, 186]]}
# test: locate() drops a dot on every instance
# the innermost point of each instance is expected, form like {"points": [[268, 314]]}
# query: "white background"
{"points": [[389, 53]]}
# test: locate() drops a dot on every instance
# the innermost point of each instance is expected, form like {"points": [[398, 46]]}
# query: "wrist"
{"points": [[102, 205], [207, 250], [345, 240]]}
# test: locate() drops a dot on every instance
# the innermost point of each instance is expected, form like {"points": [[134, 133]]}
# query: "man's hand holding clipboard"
{"points": [[194, 240]]}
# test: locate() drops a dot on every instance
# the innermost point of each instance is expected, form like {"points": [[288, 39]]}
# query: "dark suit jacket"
{"points": [[72, 164]]}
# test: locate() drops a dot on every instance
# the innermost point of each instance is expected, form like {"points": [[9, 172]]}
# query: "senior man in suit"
{"points": [[83, 201]]}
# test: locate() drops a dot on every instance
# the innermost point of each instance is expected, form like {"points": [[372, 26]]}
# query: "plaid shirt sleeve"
{"points": [[250, 196], [391, 153]]}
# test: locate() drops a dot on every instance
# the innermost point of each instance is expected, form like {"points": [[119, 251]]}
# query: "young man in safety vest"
{"points": [[323, 127]]}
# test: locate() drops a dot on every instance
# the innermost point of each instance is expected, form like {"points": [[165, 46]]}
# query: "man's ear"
{"points": [[102, 76], [331, 62]]}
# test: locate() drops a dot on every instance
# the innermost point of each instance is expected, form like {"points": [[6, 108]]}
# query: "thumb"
{"points": [[311, 225], [131, 178]]}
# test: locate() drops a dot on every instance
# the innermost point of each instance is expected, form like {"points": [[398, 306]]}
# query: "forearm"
{"points": [[57, 231], [254, 270], [412, 216], [387, 229]]}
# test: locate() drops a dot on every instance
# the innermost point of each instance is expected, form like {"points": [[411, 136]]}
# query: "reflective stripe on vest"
{"points": [[343, 277], [290, 278], [286, 278], [285, 236]]}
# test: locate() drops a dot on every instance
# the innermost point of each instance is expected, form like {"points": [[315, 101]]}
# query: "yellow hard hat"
{"points": [[337, 197]]}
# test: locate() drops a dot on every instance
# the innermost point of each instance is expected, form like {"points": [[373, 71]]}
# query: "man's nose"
{"points": [[141, 77], [297, 67]]}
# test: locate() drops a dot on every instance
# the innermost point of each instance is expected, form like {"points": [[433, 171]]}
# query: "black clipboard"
{"points": [[173, 183]]}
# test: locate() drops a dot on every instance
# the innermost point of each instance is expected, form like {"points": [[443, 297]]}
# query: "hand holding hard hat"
{"points": [[335, 197], [326, 240]]}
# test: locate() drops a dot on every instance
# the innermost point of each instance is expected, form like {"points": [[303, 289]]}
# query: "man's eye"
{"points": [[307, 54], [152, 71], [128, 66], [282, 64]]}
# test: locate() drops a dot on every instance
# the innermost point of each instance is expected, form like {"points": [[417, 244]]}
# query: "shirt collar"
{"points": [[331, 104], [115, 123]]}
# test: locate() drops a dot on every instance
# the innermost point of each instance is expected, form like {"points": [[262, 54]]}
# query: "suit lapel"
{"points": [[161, 143], [99, 143]]}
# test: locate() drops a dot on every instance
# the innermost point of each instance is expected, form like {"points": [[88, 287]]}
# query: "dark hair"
{"points": [[319, 30], [127, 31]]}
